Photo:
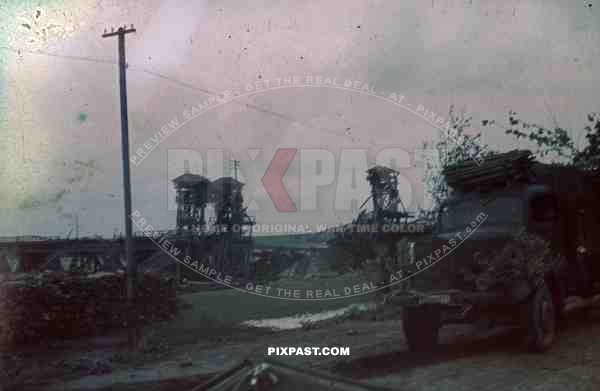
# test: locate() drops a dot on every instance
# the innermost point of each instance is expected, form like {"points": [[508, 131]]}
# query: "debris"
{"points": [[497, 170], [49, 305], [271, 374]]}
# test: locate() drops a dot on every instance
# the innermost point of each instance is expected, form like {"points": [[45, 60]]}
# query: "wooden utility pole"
{"points": [[131, 265], [236, 165]]}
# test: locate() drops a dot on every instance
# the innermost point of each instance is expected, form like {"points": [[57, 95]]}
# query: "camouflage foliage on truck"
{"points": [[527, 257]]}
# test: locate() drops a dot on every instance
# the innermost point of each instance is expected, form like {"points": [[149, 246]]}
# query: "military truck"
{"points": [[526, 254]]}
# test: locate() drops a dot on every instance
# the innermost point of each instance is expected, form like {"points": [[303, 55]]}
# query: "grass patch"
{"points": [[233, 306]]}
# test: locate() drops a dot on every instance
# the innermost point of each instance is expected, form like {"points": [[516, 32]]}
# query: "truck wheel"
{"points": [[421, 328], [541, 332]]}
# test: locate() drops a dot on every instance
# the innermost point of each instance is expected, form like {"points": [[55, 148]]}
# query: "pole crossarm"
{"points": [[119, 31]]}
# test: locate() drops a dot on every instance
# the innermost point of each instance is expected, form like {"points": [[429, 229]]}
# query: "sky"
{"points": [[59, 97]]}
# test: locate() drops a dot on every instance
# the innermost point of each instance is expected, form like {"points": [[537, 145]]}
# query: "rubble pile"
{"points": [[36, 307]]}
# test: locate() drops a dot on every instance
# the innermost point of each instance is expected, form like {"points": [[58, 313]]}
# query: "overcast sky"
{"points": [[60, 103]]}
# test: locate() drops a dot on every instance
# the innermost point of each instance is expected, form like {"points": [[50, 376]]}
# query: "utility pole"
{"points": [[77, 238], [234, 212], [236, 165], [131, 265], [77, 225]]}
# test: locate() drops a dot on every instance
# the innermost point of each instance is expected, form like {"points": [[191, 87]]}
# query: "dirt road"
{"points": [[469, 359], [494, 362]]}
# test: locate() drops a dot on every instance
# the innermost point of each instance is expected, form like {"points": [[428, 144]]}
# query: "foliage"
{"points": [[352, 252], [526, 257], [589, 157], [556, 142], [447, 152]]}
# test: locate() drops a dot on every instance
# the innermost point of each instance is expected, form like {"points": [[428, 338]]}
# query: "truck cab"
{"points": [[477, 223], [483, 222]]}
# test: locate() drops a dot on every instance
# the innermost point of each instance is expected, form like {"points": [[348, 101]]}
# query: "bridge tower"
{"points": [[192, 198], [384, 192], [234, 226]]}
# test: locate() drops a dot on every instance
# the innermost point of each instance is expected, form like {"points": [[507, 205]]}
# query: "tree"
{"points": [[448, 151], [556, 143]]}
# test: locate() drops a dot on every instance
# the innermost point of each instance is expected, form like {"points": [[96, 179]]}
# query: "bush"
{"points": [[36, 307]]}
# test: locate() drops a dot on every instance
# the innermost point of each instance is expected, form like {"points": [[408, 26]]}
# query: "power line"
{"points": [[174, 81], [170, 79], [248, 105], [64, 56]]}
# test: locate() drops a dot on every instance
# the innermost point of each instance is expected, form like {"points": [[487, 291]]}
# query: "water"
{"points": [[296, 321]]}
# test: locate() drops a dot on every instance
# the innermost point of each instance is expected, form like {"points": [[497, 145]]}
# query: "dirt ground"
{"points": [[490, 360], [470, 358]]}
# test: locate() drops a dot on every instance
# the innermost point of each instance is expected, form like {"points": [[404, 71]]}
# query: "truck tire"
{"points": [[421, 328], [542, 320]]}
